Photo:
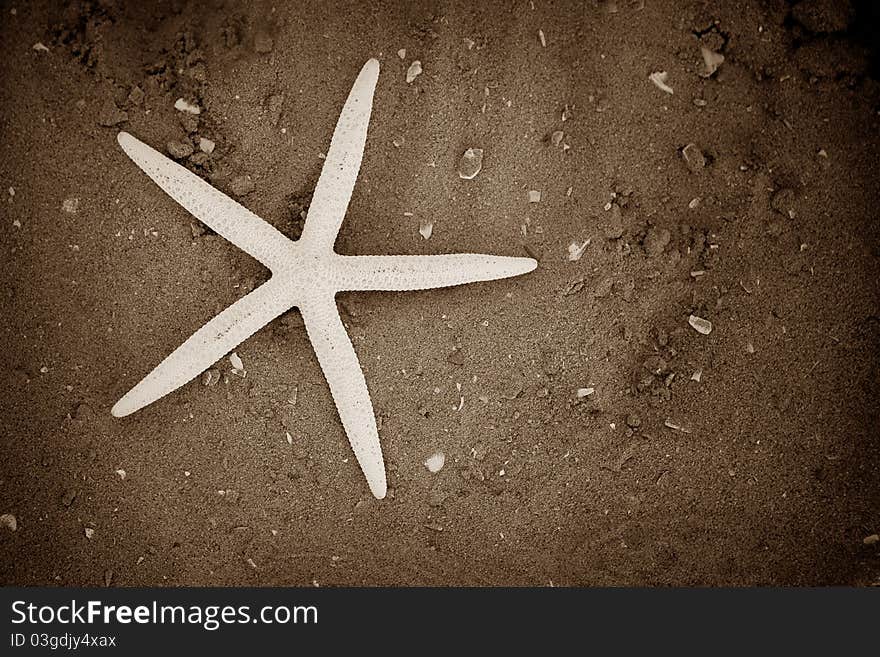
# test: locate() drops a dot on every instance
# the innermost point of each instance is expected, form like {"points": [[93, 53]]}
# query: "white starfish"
{"points": [[306, 274]]}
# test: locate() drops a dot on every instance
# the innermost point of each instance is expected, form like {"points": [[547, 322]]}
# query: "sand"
{"points": [[748, 455]]}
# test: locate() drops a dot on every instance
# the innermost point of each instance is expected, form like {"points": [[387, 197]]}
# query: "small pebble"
{"points": [[693, 157], [235, 359], [136, 95], [656, 241], [534, 196], [70, 205], [179, 149], [613, 227], [242, 185], [89, 532], [111, 115], [206, 145], [188, 122], [184, 106], [470, 164], [633, 421], [402, 53], [585, 392], [68, 497], [121, 473], [783, 202], [9, 521], [414, 71], [873, 539], [556, 137], [700, 325]]}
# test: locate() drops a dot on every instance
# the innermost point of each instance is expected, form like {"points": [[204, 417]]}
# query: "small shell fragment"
{"points": [[89, 532], [435, 462], [470, 164], [542, 38], [575, 250], [414, 71], [210, 377], [534, 196], [40, 47], [402, 53], [712, 60], [659, 78], [700, 325], [697, 376], [184, 106], [585, 392], [675, 426], [426, 228], [557, 137], [206, 145], [8, 520], [236, 362], [121, 473]]}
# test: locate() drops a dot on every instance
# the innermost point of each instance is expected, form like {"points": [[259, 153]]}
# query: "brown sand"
{"points": [[774, 477]]}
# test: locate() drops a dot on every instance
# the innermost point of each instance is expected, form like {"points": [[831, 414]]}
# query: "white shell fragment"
{"points": [[89, 532], [435, 462], [121, 473], [426, 228], [235, 359], [659, 78], [206, 145], [542, 38], [675, 426], [8, 520], [575, 250], [712, 60], [402, 53], [585, 392], [414, 71], [700, 325], [39, 46], [470, 164], [534, 196], [184, 106]]}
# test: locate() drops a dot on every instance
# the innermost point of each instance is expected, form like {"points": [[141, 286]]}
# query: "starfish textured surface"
{"points": [[306, 274]]}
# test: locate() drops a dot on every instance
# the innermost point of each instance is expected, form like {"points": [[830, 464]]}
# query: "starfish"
{"points": [[306, 274]]}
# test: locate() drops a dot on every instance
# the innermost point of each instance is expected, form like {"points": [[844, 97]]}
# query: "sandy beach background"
{"points": [[746, 197]]}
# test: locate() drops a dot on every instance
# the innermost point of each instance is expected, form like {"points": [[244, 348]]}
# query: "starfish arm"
{"points": [[232, 220], [336, 182], [425, 272], [340, 365], [207, 345]]}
